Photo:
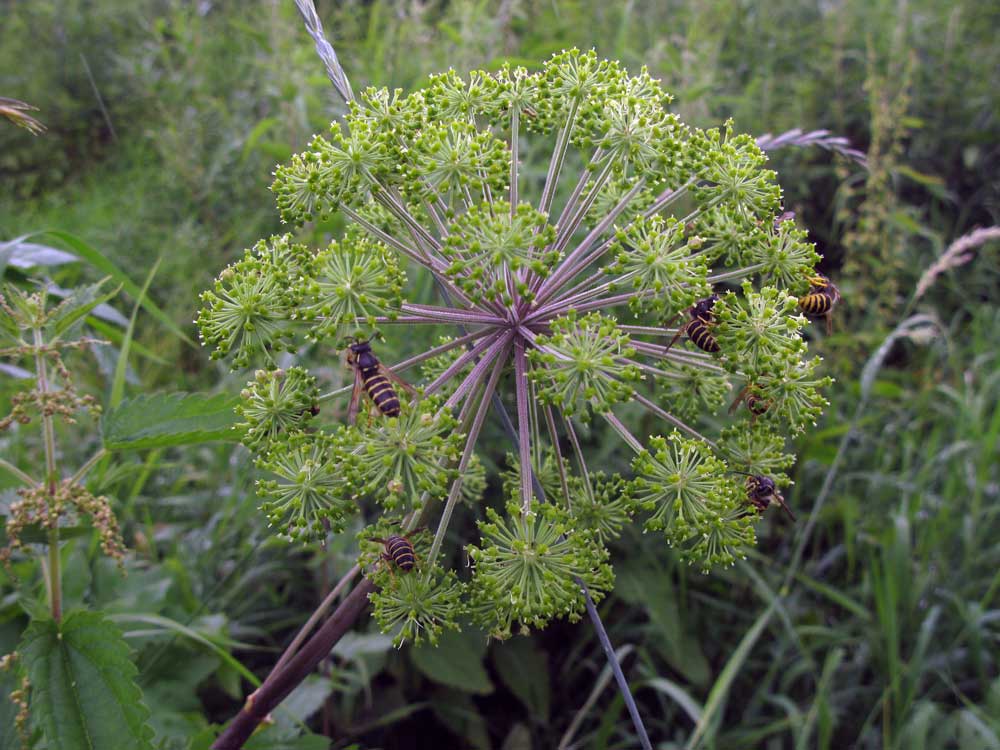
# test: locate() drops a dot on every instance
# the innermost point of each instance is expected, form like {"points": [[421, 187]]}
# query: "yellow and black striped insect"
{"points": [[756, 404], [398, 552], [372, 377], [698, 329], [762, 492], [820, 300]]}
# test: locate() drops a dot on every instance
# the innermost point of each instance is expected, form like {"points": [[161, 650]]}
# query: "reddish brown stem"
{"points": [[280, 683]]}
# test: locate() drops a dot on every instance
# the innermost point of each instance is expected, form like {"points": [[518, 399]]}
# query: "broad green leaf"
{"points": [[97, 259], [651, 589], [304, 701], [165, 419], [523, 667], [457, 661], [457, 712], [84, 693]]}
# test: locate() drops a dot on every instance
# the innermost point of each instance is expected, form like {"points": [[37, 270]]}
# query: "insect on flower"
{"points": [[757, 405], [762, 493], [398, 551], [698, 329], [821, 299], [373, 377]]}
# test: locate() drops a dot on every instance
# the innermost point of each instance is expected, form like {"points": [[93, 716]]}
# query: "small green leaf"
{"points": [[84, 693], [522, 667], [166, 419], [457, 661], [78, 304]]}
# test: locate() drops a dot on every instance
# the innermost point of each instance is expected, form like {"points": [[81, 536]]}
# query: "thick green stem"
{"points": [[53, 571]]}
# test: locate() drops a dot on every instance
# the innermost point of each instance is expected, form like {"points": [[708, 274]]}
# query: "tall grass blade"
{"points": [[121, 367]]}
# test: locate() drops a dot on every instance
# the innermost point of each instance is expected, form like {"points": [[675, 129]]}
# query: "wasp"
{"points": [[756, 404], [398, 551], [762, 492], [820, 300], [372, 377], [698, 329]]}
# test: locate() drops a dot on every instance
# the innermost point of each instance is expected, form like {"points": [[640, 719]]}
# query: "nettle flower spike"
{"points": [[645, 272]]}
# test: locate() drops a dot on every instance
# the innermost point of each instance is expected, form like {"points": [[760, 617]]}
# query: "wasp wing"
{"points": [[359, 386], [398, 380]]}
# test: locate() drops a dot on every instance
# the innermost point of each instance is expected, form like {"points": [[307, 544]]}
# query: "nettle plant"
{"points": [[564, 307]]}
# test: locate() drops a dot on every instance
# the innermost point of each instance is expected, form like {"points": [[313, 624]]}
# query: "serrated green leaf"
{"points": [[83, 686], [457, 661], [165, 419], [523, 668]]}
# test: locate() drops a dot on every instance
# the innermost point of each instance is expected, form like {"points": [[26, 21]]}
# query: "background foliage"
{"points": [[873, 622]]}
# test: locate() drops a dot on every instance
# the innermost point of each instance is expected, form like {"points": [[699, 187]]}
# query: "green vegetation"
{"points": [[871, 622]]}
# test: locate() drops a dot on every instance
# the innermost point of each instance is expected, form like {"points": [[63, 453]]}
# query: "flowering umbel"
{"points": [[566, 297]]}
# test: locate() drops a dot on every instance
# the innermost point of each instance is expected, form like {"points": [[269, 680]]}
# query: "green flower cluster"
{"points": [[276, 403], [528, 569], [490, 243], [569, 299], [653, 254], [403, 461], [580, 367], [693, 499]]}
